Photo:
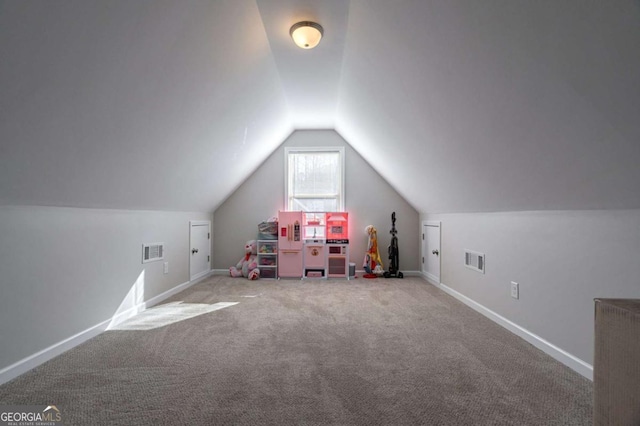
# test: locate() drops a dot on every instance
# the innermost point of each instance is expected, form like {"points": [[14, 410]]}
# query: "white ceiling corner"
{"points": [[310, 78]]}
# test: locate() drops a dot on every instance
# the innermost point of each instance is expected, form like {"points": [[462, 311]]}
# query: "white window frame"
{"points": [[287, 178]]}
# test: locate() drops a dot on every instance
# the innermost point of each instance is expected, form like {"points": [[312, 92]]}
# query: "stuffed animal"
{"points": [[247, 266], [372, 261]]}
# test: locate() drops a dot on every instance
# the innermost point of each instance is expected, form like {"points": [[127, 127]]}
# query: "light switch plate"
{"points": [[515, 290]]}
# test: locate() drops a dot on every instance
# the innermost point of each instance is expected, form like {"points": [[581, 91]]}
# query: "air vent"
{"points": [[152, 252], [474, 260]]}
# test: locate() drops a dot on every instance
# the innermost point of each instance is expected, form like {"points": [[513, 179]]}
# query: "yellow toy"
{"points": [[372, 261]]}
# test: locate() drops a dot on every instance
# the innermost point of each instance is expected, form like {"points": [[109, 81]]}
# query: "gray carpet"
{"points": [[363, 352]]}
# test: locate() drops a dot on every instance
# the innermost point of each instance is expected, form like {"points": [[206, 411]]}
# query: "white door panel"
{"points": [[431, 250], [200, 250]]}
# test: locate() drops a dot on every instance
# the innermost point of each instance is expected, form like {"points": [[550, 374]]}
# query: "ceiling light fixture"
{"points": [[306, 34]]}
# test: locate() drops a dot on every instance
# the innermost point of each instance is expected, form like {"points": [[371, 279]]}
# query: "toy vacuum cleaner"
{"points": [[394, 253]]}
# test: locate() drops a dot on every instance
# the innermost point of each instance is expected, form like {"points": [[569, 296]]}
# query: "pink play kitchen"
{"points": [[313, 245]]}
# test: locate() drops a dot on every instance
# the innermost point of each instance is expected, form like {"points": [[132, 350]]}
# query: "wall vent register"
{"points": [[474, 260], [152, 252]]}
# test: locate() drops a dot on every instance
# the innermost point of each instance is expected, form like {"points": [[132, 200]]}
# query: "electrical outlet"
{"points": [[166, 267], [515, 290]]}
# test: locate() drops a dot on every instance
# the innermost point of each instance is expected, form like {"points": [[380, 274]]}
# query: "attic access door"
{"points": [[200, 249], [431, 251]]}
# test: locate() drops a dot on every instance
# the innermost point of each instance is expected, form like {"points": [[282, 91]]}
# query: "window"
{"points": [[314, 179]]}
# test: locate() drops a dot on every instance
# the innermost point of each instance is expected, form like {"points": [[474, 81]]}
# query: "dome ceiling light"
{"points": [[306, 34]]}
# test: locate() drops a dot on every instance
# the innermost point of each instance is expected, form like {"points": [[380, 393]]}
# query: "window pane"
{"points": [[315, 173], [315, 205], [314, 180]]}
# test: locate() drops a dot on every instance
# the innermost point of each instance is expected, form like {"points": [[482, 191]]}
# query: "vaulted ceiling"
{"points": [[460, 105]]}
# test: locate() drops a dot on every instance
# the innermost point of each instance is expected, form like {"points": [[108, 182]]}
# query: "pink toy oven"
{"points": [[338, 245], [338, 260]]}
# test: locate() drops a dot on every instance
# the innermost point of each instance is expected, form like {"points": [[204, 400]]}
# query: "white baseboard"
{"points": [[32, 361], [134, 310], [430, 277], [358, 272], [175, 290], [412, 273], [200, 275], [361, 272], [549, 348]]}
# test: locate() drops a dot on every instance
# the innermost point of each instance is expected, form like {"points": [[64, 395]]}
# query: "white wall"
{"points": [[369, 200], [562, 260], [65, 270]]}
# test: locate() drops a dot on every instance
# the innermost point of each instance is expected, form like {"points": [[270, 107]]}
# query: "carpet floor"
{"points": [[359, 352]]}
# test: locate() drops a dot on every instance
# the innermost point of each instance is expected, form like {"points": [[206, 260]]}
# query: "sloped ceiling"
{"points": [[144, 104], [497, 105], [460, 105]]}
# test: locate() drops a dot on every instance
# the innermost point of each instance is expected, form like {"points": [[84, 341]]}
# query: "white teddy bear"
{"points": [[247, 266]]}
